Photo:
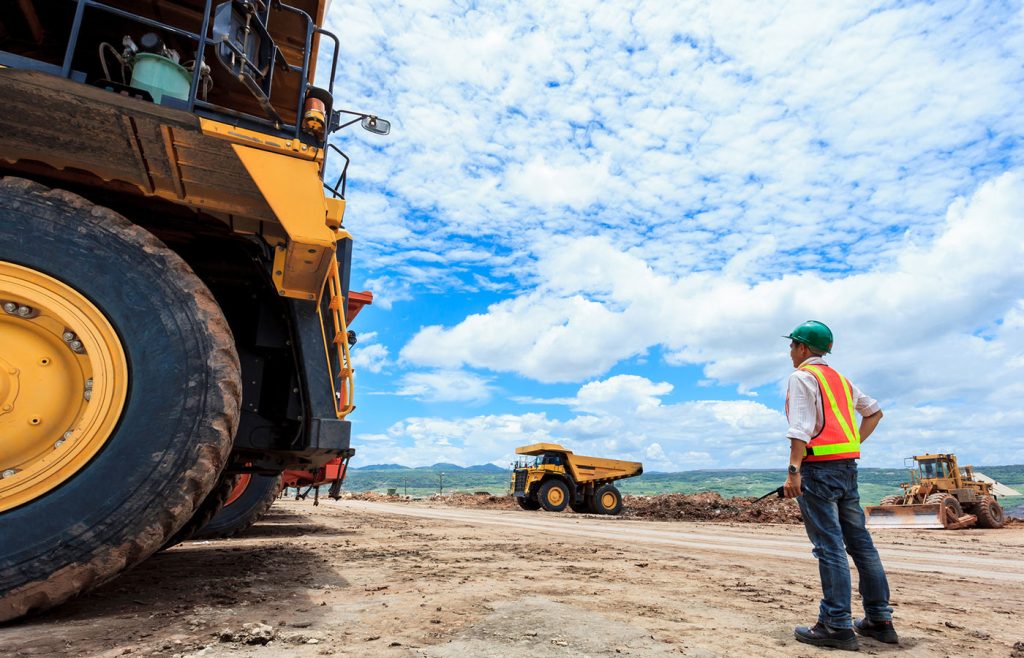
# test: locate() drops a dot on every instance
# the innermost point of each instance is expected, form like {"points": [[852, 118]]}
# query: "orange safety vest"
{"points": [[839, 437]]}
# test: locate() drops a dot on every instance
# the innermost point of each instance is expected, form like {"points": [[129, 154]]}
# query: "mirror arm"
{"points": [[336, 123], [336, 118]]}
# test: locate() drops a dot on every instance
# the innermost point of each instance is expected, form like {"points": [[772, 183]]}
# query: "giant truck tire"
{"points": [[553, 496], [207, 510], [989, 513], [528, 504], [119, 395], [247, 505], [606, 500], [891, 500]]}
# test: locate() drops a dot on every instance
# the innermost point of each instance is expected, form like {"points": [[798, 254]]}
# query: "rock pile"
{"points": [[710, 506], [705, 506]]}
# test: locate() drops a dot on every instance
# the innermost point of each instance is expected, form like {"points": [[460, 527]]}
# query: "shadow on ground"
{"points": [[172, 591], [277, 528], [222, 573]]}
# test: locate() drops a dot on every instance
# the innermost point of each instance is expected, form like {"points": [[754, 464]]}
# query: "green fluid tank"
{"points": [[160, 77]]}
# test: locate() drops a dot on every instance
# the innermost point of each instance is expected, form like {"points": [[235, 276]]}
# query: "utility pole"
{"points": [[440, 484]]}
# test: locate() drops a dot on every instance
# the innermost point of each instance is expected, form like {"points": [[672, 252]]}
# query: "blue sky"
{"points": [[592, 221]]}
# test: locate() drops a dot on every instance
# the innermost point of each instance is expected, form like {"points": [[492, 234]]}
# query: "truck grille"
{"points": [[520, 482]]}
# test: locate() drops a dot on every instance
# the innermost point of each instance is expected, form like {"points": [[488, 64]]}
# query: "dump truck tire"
{"points": [[162, 401], [606, 500], [989, 513], [240, 514], [891, 500], [553, 495], [528, 504], [208, 509]]}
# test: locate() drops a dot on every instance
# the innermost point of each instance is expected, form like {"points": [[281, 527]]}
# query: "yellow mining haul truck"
{"points": [[173, 274], [940, 494], [556, 478]]}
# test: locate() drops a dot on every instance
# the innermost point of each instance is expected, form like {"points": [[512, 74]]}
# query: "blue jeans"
{"points": [[834, 521]]}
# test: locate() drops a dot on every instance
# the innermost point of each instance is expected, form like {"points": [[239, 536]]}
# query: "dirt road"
{"points": [[357, 578]]}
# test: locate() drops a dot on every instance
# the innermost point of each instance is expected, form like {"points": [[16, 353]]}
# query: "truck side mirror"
{"points": [[376, 125]]}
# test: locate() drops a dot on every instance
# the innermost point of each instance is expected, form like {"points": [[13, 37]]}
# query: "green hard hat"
{"points": [[813, 334]]}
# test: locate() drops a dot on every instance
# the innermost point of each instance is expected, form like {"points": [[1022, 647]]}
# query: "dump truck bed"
{"points": [[586, 469], [595, 469], [147, 148]]}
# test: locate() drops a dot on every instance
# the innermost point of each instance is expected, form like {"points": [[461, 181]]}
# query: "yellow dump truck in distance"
{"points": [[556, 478]]}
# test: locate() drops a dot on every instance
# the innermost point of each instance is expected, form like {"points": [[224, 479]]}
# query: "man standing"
{"points": [[824, 448]]}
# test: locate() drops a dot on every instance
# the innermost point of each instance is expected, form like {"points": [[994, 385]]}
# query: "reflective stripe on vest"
{"points": [[839, 437]]}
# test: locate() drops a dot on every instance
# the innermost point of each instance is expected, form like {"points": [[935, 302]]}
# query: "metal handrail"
{"points": [[203, 41], [342, 177]]}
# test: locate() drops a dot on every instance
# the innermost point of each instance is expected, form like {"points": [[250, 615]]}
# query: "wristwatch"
{"points": [[793, 470]]}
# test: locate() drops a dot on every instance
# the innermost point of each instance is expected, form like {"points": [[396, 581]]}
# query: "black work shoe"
{"points": [[822, 635], [880, 630]]}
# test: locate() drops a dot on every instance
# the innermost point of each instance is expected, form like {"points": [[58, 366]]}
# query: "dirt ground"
{"points": [[421, 579]]}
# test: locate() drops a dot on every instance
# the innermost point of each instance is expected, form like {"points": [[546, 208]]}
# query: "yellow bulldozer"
{"points": [[174, 273], [941, 494], [556, 478]]}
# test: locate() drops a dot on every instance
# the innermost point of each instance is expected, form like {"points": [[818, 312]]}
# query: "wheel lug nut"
{"points": [[67, 435], [68, 336], [24, 311], [8, 473], [88, 384], [59, 443], [10, 307], [75, 345]]}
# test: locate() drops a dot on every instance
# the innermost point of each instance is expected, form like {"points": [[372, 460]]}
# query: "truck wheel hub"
{"points": [[63, 383]]}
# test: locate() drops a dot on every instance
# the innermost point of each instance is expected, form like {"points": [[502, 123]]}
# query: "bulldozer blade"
{"points": [[930, 516], [904, 516]]}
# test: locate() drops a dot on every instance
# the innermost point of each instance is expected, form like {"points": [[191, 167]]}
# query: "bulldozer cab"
{"points": [[940, 471], [931, 469]]}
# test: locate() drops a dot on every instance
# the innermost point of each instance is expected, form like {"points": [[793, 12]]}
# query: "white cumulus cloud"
{"points": [[445, 386], [913, 325]]}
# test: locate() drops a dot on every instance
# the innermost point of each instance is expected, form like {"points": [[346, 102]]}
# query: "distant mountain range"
{"points": [[479, 468]]}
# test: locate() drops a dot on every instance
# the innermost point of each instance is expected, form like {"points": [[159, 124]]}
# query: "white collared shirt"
{"points": [[805, 414]]}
